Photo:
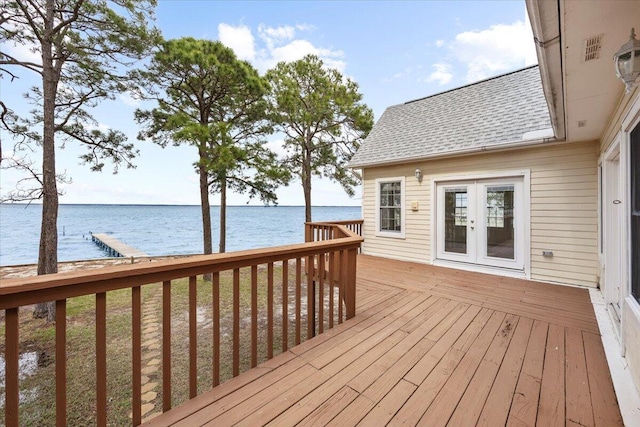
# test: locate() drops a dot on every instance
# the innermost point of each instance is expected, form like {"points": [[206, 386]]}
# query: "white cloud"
{"points": [[280, 44], [273, 35], [439, 43], [28, 52], [277, 146], [129, 98], [297, 49], [442, 74], [239, 38], [98, 126], [497, 49]]}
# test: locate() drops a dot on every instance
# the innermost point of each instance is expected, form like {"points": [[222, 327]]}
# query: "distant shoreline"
{"points": [[156, 204]]}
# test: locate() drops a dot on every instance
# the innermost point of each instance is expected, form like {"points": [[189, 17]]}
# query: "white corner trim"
{"points": [[626, 392]]}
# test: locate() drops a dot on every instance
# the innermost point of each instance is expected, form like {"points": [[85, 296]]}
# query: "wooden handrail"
{"points": [[334, 255]]}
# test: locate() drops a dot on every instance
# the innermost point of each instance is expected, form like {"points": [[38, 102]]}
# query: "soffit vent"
{"points": [[592, 47]]}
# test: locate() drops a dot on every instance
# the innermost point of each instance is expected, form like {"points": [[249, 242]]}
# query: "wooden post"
{"points": [[101, 359], [61, 362], [350, 288], [136, 363], [166, 345], [193, 338], [308, 232], [311, 299], [12, 390]]}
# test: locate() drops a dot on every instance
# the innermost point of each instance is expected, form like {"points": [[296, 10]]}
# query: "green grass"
{"points": [[38, 336]]}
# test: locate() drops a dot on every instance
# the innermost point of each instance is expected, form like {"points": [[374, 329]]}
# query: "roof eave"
{"points": [[456, 153], [545, 23]]}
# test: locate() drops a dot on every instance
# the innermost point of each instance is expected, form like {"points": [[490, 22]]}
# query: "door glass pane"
{"points": [[500, 231], [455, 220]]}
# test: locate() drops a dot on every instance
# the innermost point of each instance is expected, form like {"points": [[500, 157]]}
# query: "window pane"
{"points": [[391, 206], [455, 220], [500, 231]]}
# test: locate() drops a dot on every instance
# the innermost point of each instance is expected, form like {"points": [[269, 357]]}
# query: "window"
{"points": [[390, 207]]}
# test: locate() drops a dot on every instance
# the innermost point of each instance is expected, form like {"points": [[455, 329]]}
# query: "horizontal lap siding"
{"points": [[564, 208]]}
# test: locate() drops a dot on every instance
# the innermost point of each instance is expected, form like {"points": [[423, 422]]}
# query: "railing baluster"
{"points": [[270, 310], [136, 362], [321, 293], [166, 345], [331, 287], [254, 316], [285, 305], [352, 255], [12, 390], [335, 265], [311, 298], [193, 338], [101, 359], [341, 272], [216, 328], [236, 322], [298, 297], [61, 362]]}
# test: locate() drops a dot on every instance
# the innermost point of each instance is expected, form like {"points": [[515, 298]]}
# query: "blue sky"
{"points": [[396, 51]]}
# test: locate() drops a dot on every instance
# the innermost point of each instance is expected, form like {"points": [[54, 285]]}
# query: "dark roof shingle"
{"points": [[498, 111]]}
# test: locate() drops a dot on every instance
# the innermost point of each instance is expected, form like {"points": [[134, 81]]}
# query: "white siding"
{"points": [[564, 213]]}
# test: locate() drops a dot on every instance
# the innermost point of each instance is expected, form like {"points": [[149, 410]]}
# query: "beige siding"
{"points": [[564, 213]]}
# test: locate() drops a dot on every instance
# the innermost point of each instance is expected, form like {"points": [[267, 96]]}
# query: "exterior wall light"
{"points": [[418, 174], [627, 62]]}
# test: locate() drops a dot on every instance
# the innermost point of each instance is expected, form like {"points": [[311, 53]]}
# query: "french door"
{"points": [[481, 222]]}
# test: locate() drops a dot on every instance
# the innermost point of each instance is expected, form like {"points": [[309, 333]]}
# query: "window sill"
{"points": [[390, 234]]}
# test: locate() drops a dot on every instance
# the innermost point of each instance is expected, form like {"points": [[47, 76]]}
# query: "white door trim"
{"points": [[613, 220], [525, 174]]}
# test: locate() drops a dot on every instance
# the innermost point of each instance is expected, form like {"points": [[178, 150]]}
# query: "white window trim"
{"points": [[630, 306], [392, 234]]}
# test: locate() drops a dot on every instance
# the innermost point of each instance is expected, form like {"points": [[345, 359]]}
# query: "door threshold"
{"points": [[497, 271]]}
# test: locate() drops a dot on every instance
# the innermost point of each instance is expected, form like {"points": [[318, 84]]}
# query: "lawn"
{"points": [[37, 347]]}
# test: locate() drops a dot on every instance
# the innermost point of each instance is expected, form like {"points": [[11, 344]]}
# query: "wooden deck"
{"points": [[431, 346]]}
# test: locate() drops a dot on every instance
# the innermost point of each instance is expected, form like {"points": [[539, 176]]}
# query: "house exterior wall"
{"points": [[625, 118], [563, 207]]}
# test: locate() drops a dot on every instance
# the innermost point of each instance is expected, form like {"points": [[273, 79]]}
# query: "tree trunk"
{"points": [[223, 215], [306, 182], [206, 208], [48, 250]]}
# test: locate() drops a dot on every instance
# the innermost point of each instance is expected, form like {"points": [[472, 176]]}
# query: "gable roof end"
{"points": [[498, 112]]}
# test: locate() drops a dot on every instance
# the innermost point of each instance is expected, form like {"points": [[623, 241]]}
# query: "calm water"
{"points": [[156, 230]]}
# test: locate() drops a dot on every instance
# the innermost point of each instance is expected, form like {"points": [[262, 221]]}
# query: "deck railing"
{"points": [[324, 266], [319, 231]]}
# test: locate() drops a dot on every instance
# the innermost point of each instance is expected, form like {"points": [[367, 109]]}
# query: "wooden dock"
{"points": [[115, 247]]}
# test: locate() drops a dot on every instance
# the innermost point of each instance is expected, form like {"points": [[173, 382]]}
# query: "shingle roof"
{"points": [[502, 110]]}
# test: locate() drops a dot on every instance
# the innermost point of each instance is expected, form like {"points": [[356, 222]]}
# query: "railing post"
{"points": [[308, 232], [350, 285]]}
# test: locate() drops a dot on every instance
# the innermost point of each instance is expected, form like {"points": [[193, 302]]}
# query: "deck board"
{"points": [[430, 346]]}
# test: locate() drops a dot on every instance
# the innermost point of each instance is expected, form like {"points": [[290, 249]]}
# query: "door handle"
{"points": [[617, 202]]}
